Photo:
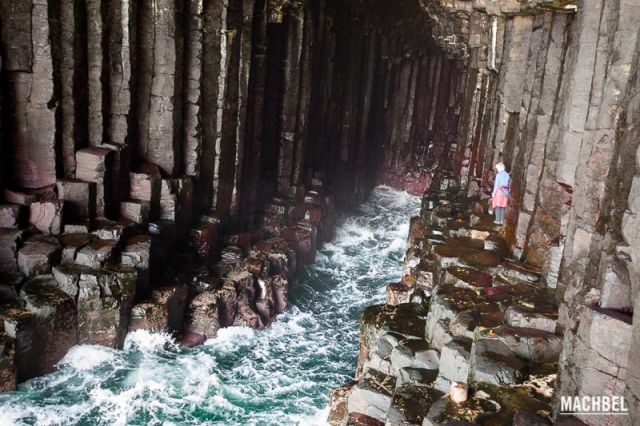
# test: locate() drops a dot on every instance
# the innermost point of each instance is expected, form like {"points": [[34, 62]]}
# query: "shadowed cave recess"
{"points": [[172, 165]]}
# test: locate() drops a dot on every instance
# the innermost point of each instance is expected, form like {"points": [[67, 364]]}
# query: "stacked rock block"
{"points": [[239, 279], [464, 317], [69, 275], [95, 280]]}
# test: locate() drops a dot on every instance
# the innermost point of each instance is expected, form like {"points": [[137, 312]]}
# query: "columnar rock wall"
{"points": [[552, 94], [170, 164], [202, 124]]}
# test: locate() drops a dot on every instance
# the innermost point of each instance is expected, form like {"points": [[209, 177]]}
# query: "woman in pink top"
{"points": [[500, 193]]}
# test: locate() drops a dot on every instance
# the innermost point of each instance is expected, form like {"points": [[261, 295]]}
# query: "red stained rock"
{"points": [[246, 316], [203, 240], [280, 293], [191, 340]]}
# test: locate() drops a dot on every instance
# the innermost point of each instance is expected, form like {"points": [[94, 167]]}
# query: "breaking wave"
{"points": [[279, 376]]}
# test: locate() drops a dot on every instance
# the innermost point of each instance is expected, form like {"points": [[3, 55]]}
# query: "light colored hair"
{"points": [[500, 167]]}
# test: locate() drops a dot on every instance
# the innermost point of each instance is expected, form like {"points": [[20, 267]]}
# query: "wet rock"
{"points": [[411, 404], [203, 315], [493, 362], [9, 215], [164, 311], [372, 395], [7, 363], [191, 340], [37, 257], [265, 304], [46, 216], [96, 253], [280, 293], [104, 303], [246, 316], [338, 404], [228, 306], [44, 340], [306, 242]]}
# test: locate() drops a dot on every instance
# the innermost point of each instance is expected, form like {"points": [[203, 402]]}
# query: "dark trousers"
{"points": [[500, 215]]}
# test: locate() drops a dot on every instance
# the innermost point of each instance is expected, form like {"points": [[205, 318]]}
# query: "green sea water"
{"points": [[278, 376]]}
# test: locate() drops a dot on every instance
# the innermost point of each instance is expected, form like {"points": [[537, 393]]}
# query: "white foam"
{"points": [[146, 341], [87, 357]]}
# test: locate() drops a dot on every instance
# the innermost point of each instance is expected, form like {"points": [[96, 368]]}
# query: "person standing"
{"points": [[500, 193]]}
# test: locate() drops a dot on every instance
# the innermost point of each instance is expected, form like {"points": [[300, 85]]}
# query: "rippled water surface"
{"points": [[279, 376]]}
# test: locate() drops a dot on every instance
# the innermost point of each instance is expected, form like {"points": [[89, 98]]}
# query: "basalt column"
{"points": [[28, 72]]}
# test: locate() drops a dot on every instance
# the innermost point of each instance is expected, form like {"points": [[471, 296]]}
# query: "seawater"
{"points": [[278, 376]]}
